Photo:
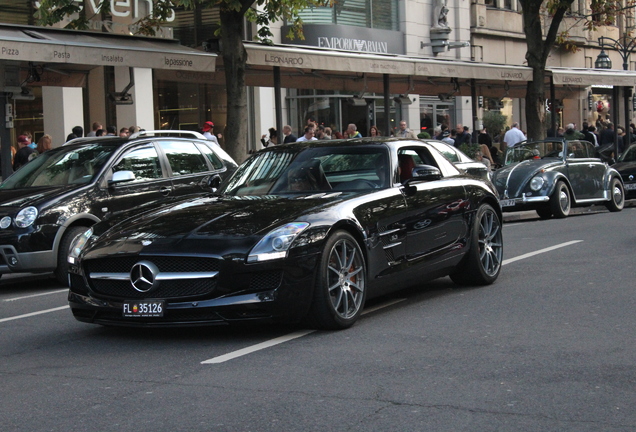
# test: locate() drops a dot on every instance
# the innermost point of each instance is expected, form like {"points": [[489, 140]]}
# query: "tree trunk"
{"points": [[535, 105], [234, 62]]}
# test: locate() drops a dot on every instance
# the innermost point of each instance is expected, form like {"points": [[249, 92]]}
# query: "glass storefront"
{"points": [[378, 14], [336, 111], [435, 113], [187, 105]]}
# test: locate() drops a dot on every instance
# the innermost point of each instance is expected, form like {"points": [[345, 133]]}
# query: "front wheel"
{"points": [[482, 263], [560, 201], [617, 198], [340, 289], [61, 272]]}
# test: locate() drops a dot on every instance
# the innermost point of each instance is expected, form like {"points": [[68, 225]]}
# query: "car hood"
{"points": [[625, 168], [13, 199], [514, 176], [212, 225]]}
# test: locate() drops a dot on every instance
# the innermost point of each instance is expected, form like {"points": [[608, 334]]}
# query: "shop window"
{"points": [[380, 14]]}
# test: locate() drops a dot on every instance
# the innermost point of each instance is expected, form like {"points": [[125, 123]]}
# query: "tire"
{"points": [[482, 263], [544, 212], [617, 199], [340, 290], [561, 201], [61, 272]]}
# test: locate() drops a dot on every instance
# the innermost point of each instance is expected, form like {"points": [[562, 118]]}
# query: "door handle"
{"points": [[165, 190]]}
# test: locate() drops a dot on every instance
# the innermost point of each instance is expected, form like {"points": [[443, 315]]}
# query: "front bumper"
{"points": [[12, 261], [525, 202], [241, 292]]}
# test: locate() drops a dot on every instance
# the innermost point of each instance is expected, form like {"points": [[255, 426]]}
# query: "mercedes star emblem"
{"points": [[143, 276]]}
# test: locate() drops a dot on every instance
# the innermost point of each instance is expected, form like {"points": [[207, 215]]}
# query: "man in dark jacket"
{"points": [[289, 136], [607, 134]]}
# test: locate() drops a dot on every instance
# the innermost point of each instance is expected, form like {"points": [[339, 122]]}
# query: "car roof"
{"points": [[152, 134]]}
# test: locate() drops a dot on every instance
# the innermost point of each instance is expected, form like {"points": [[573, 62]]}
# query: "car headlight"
{"points": [[536, 183], [26, 217], [276, 243], [78, 245]]}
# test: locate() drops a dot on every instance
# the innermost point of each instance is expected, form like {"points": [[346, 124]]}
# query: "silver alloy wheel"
{"points": [[345, 276], [490, 242], [564, 200]]}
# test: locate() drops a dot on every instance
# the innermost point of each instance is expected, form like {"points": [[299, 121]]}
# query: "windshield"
{"points": [[629, 155], [534, 150], [310, 170], [61, 166]]}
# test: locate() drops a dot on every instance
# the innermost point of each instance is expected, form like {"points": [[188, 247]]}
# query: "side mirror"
{"points": [[214, 182], [122, 176], [425, 173]]}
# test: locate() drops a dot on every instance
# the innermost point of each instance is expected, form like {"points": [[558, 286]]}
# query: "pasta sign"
{"points": [[123, 8]]}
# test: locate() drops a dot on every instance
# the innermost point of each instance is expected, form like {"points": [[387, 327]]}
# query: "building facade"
{"points": [[442, 61]]}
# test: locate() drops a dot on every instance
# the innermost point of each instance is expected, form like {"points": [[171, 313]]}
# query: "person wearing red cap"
{"points": [[208, 132]]}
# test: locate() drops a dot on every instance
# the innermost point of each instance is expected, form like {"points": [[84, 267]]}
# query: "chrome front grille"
{"points": [[177, 277]]}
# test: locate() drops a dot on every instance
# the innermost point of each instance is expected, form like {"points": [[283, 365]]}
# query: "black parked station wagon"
{"points": [[59, 194]]}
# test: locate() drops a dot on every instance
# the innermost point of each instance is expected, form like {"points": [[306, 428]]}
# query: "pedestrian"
{"points": [[76, 132], [404, 131], [447, 137], [100, 132], [208, 132], [592, 130], [572, 134], [513, 136], [374, 131], [479, 157], [607, 134], [289, 137], [328, 133], [352, 131], [588, 134], [272, 139], [484, 138], [111, 130], [96, 126], [22, 155], [44, 143], [308, 136]]}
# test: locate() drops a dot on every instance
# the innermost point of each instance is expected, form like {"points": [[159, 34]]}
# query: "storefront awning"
{"points": [[591, 77], [52, 45], [318, 59]]}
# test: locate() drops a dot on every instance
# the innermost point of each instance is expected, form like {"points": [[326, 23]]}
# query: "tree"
{"points": [[539, 46], [233, 14]]}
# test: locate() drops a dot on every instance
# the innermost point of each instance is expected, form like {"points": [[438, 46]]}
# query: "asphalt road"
{"points": [[548, 347]]}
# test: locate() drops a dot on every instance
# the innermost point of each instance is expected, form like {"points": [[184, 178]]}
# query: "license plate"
{"points": [[630, 186], [507, 203], [143, 309]]}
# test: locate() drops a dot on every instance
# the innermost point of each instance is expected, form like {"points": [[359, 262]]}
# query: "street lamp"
{"points": [[625, 47]]}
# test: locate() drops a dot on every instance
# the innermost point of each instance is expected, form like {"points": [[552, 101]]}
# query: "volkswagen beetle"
{"points": [[552, 176]]}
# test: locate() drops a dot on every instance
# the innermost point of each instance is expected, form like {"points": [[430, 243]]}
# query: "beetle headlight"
{"points": [[26, 217], [78, 245], [276, 243], [536, 183]]}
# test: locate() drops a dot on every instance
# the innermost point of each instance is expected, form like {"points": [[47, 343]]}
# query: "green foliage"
{"points": [[469, 149], [494, 122], [424, 135]]}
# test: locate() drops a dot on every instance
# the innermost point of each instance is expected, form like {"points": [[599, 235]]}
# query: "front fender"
{"points": [[84, 219], [552, 177]]}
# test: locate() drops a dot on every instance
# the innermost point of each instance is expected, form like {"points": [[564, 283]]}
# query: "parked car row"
{"points": [[163, 230]]}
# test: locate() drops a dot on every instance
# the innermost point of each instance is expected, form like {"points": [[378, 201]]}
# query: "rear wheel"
{"points": [[340, 289], [61, 272], [482, 263], [617, 199], [560, 201]]}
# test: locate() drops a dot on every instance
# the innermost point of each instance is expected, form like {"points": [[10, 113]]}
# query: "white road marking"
{"points": [[279, 340], [540, 251], [36, 295], [33, 314]]}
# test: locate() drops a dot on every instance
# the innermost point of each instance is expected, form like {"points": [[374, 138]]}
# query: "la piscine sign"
{"points": [[133, 9]]}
